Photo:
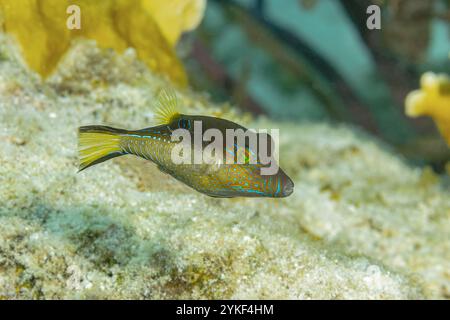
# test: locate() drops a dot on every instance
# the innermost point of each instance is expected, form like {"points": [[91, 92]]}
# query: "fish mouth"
{"points": [[288, 188]]}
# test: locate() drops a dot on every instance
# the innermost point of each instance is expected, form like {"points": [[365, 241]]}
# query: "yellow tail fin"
{"points": [[97, 144]]}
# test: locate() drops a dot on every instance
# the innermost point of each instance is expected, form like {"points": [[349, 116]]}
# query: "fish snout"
{"points": [[288, 187]]}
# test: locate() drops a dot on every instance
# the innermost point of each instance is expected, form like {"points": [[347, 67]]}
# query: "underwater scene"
{"points": [[224, 149]]}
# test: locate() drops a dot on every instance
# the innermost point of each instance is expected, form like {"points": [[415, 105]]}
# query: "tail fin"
{"points": [[97, 144]]}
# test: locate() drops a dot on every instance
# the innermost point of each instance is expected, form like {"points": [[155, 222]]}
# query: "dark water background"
{"points": [[316, 60]]}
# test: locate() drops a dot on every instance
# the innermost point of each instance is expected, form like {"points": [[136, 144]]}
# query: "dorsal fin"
{"points": [[166, 106]]}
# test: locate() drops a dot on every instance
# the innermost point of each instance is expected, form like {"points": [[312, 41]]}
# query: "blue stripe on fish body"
{"points": [[239, 188], [278, 187]]}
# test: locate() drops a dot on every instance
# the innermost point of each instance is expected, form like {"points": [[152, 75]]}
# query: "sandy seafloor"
{"points": [[361, 224]]}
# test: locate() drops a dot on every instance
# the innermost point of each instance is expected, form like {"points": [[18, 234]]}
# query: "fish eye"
{"points": [[185, 124]]}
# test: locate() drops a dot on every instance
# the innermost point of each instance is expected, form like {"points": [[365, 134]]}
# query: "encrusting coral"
{"points": [[433, 100], [360, 224], [152, 27]]}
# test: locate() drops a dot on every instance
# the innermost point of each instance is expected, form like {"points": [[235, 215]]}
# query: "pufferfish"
{"points": [[219, 179], [433, 99]]}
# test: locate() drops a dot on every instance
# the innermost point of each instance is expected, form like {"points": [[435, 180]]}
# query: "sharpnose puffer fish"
{"points": [[217, 179]]}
